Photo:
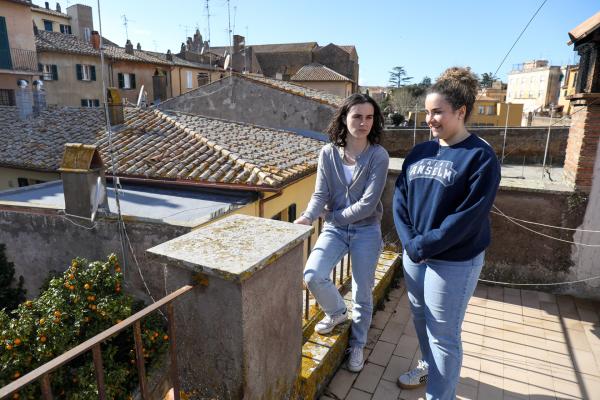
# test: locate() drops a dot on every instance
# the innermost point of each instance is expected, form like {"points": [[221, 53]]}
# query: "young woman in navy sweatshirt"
{"points": [[441, 210], [351, 176]]}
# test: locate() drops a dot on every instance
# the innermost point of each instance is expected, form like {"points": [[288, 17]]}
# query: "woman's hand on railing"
{"points": [[303, 221]]}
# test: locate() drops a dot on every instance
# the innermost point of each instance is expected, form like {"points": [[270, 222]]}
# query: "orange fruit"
{"points": [[71, 287], [28, 303], [92, 307], [42, 321], [91, 298], [57, 314], [166, 337], [118, 289], [17, 342], [16, 396], [8, 347], [117, 268], [71, 276], [87, 286], [16, 375], [43, 339]]}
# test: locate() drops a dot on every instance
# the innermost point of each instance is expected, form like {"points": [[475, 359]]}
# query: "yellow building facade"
{"points": [[535, 84], [486, 112], [568, 88]]}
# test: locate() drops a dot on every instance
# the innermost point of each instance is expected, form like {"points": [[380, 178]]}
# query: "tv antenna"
{"points": [[126, 22]]}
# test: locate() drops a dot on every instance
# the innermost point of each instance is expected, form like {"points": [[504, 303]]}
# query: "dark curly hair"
{"points": [[337, 129], [459, 86]]}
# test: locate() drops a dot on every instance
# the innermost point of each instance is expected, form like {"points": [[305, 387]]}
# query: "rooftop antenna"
{"points": [[126, 22], [155, 47], [229, 23], [185, 28], [234, 15], [208, 41]]}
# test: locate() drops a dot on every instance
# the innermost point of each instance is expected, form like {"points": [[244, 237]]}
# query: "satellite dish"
{"points": [[227, 61], [98, 195], [140, 97]]}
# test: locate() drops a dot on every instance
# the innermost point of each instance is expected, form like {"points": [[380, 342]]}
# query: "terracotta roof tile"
{"points": [[37, 143], [318, 72], [173, 145]]}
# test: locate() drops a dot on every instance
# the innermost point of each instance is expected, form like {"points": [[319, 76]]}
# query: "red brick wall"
{"points": [[582, 144]]}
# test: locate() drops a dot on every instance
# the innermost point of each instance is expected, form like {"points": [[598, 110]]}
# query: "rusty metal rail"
{"points": [[42, 373]]}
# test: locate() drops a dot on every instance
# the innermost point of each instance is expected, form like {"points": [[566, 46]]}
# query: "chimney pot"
{"points": [[47, 5], [169, 55], [129, 47], [95, 40], [58, 7], [139, 46]]}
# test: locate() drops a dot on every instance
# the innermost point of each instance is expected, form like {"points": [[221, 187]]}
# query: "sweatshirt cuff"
{"points": [[413, 251]]}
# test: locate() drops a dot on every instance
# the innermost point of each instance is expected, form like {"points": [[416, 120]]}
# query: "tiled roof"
{"points": [[348, 49], [181, 62], [65, 43], [24, 2], [37, 143], [286, 86], [272, 48], [585, 28], [176, 146], [318, 72]]}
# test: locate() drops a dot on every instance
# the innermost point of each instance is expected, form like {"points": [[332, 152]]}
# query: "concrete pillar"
{"points": [[239, 334]]}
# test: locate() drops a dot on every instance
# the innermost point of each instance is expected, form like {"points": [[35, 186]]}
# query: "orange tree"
{"points": [[86, 300]]}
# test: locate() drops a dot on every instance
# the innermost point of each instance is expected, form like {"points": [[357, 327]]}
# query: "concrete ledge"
{"points": [[323, 354]]}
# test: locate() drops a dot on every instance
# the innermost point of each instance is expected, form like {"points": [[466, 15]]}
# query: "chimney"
{"points": [[95, 40], [82, 21], [139, 46], [115, 106], [84, 183], [23, 99], [238, 43], [39, 97], [129, 47], [169, 55], [58, 7], [47, 5]]}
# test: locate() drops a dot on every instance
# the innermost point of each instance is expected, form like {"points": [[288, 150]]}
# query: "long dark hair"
{"points": [[337, 129]]}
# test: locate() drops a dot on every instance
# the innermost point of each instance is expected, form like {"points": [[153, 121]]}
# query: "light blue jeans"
{"points": [[364, 244], [438, 292]]}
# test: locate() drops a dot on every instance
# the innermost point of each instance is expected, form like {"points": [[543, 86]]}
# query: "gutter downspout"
{"points": [[262, 201]]}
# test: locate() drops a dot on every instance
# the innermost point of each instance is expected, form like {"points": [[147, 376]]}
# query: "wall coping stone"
{"points": [[234, 248]]}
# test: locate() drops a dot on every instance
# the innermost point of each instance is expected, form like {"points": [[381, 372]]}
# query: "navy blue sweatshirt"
{"points": [[443, 198]]}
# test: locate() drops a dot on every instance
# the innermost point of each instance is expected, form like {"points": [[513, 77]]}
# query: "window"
{"points": [[47, 25], [126, 81], [23, 182], [90, 103], [49, 72], [491, 110], [202, 78], [65, 29], [189, 80], [7, 97], [87, 34], [86, 72], [481, 110]]}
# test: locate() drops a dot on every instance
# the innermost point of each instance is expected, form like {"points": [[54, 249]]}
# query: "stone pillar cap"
{"points": [[234, 248]]}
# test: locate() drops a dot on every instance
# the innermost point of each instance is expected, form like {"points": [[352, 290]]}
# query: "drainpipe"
{"points": [[262, 201]]}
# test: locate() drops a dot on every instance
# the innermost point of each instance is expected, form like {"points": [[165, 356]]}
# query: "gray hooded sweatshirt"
{"points": [[363, 194]]}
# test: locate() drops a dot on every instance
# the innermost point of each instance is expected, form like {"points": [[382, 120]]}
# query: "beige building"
{"points": [[496, 91], [487, 111], [567, 88], [535, 84], [18, 59], [50, 20], [320, 77]]}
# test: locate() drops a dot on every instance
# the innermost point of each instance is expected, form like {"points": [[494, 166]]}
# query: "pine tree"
{"points": [[10, 296]]}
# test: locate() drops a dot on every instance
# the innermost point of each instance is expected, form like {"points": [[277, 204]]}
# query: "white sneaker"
{"points": [[414, 378], [327, 324], [355, 359]]}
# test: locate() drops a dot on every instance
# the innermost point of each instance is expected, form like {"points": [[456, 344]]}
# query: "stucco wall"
{"points": [[38, 242], [339, 88], [18, 25], [67, 90], [238, 99], [9, 176], [528, 143], [519, 255]]}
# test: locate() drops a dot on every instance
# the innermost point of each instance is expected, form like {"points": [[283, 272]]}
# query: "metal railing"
{"points": [[18, 60], [344, 264], [42, 373]]}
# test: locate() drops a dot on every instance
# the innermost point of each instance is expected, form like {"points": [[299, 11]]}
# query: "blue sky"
{"points": [[424, 37]]}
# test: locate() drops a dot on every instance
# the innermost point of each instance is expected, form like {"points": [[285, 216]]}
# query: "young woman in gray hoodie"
{"points": [[351, 175]]}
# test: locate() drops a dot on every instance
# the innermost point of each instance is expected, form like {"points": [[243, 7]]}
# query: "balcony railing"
{"points": [[18, 60], [43, 373]]}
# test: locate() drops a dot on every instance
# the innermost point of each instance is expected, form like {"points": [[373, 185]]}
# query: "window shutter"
{"points": [[40, 67], [83, 102], [96, 103], [132, 79], [121, 80], [93, 72], [54, 72], [79, 73]]}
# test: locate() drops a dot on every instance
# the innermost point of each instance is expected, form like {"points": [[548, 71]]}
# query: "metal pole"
{"points": [[547, 139], [505, 129], [415, 128]]}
